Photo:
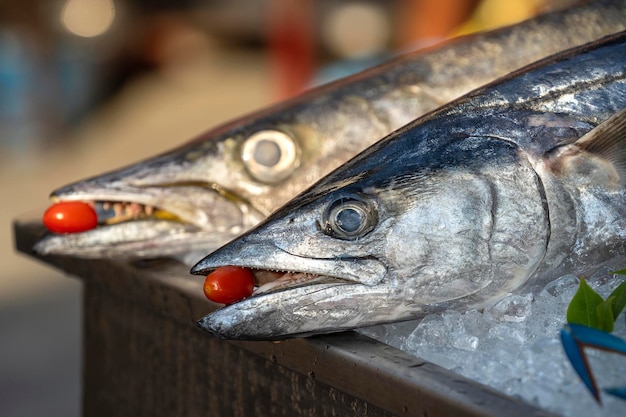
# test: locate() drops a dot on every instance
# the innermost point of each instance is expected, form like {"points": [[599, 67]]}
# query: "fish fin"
{"points": [[608, 139], [599, 157]]}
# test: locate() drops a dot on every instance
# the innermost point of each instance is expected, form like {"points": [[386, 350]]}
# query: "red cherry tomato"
{"points": [[229, 284], [70, 217]]}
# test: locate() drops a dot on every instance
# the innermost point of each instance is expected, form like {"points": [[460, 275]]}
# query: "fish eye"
{"points": [[350, 218], [270, 156]]}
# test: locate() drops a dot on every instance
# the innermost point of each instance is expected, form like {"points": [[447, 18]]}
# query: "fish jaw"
{"points": [[179, 212], [303, 311], [134, 240]]}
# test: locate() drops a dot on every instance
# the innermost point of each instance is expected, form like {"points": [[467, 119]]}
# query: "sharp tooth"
{"points": [[134, 210], [285, 280], [113, 212], [264, 276], [273, 284], [118, 208]]}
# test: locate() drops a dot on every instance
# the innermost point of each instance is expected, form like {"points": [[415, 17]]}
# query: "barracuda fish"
{"points": [[196, 198], [506, 188]]}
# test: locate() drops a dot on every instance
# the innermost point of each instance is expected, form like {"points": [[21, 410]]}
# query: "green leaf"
{"points": [[620, 272], [582, 308], [619, 299], [604, 314]]}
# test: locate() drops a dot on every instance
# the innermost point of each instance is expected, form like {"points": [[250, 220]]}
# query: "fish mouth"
{"points": [[289, 304], [294, 295], [142, 203], [113, 212], [278, 270], [298, 304], [291, 309], [268, 282], [152, 220], [267, 260]]}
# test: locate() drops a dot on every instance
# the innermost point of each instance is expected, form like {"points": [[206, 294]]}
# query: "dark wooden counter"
{"points": [[144, 356]]}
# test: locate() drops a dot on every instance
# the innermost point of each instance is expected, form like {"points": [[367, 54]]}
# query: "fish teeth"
{"points": [[288, 279], [111, 212]]}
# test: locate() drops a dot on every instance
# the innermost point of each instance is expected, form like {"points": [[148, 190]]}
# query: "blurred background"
{"points": [[90, 85]]}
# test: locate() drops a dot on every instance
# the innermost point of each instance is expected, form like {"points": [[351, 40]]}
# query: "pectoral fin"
{"points": [[597, 158]]}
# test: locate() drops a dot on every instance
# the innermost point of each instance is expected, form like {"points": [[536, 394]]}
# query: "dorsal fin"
{"points": [[598, 157], [608, 140]]}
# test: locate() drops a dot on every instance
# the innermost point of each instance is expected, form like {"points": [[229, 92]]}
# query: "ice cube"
{"points": [[464, 342], [566, 284], [514, 347], [513, 308]]}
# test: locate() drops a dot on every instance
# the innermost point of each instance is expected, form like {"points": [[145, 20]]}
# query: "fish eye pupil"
{"points": [[267, 153], [349, 220]]}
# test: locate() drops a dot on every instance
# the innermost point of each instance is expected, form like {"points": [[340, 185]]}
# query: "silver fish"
{"points": [[195, 198], [506, 188]]}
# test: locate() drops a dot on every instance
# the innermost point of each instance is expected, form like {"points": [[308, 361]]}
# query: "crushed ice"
{"points": [[514, 347]]}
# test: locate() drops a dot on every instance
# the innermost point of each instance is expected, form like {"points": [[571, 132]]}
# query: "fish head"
{"points": [[210, 190], [377, 242], [194, 198]]}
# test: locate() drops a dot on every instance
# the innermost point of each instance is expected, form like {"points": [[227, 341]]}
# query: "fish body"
{"points": [[195, 198], [504, 189]]}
